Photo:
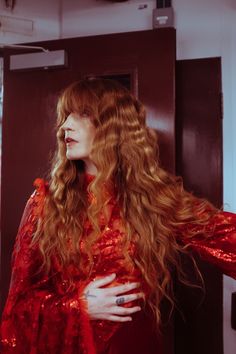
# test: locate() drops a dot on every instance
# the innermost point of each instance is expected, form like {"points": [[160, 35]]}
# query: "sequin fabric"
{"points": [[42, 316], [219, 248]]}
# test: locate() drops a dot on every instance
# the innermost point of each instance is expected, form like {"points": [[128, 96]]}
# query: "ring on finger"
{"points": [[120, 300]]}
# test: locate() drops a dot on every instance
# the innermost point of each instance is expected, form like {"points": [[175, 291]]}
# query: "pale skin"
{"points": [[103, 302]]}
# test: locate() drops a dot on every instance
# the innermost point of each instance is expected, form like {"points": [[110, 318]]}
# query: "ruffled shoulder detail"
{"points": [[38, 195], [32, 212], [41, 185]]}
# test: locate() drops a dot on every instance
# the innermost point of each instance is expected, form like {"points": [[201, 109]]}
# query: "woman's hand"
{"points": [[104, 303]]}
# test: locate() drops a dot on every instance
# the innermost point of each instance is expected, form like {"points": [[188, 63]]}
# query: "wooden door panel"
{"points": [[199, 127], [199, 162]]}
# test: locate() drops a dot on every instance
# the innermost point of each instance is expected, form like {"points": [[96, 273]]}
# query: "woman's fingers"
{"points": [[118, 318], [102, 281], [122, 311], [121, 289], [123, 299], [107, 302]]}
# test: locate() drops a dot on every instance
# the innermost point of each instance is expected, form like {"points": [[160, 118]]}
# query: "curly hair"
{"points": [[153, 203]]}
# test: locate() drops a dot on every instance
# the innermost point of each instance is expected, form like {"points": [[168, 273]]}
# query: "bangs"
{"points": [[77, 98]]}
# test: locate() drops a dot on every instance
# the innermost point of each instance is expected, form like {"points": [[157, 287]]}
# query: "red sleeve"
{"points": [[37, 318], [219, 246]]}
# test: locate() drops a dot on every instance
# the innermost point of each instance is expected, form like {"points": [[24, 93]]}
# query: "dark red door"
{"points": [[199, 162]]}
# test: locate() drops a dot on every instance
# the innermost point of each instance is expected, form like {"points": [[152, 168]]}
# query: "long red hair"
{"points": [[153, 204]]}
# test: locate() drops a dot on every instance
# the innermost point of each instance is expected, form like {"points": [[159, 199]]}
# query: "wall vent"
{"points": [[16, 25]]}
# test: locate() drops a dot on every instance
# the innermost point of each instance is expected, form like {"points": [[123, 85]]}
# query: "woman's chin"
{"points": [[74, 157]]}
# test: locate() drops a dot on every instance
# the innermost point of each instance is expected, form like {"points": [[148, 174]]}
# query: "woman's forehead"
{"points": [[77, 103]]}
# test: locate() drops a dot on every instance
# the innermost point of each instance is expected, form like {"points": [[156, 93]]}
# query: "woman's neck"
{"points": [[90, 168]]}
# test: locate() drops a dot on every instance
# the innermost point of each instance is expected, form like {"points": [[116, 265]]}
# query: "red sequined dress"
{"points": [[42, 317]]}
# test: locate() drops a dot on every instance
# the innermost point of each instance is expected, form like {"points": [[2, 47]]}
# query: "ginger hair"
{"points": [[153, 203]]}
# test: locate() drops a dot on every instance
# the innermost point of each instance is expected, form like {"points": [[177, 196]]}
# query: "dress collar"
{"points": [[107, 191], [89, 177]]}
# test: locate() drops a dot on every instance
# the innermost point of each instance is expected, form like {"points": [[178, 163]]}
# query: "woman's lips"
{"points": [[69, 141]]}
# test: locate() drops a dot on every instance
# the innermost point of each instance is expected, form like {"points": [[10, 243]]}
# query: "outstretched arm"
{"points": [[219, 246]]}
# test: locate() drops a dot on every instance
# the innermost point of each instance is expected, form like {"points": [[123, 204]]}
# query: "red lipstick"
{"points": [[69, 140]]}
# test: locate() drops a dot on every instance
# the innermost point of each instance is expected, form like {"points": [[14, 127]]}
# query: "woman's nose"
{"points": [[68, 124]]}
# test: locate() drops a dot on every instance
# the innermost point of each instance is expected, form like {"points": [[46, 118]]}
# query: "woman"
{"points": [[98, 243]]}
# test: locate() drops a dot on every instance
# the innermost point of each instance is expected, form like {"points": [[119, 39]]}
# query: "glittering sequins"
{"points": [[43, 315]]}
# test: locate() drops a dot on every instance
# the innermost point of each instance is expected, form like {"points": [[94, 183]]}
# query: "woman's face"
{"points": [[79, 136]]}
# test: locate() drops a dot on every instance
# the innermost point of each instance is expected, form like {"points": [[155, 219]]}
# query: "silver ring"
{"points": [[120, 301]]}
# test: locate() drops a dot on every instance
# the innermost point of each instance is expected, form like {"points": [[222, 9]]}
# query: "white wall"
{"points": [[205, 28], [44, 14], [105, 17], [71, 18]]}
